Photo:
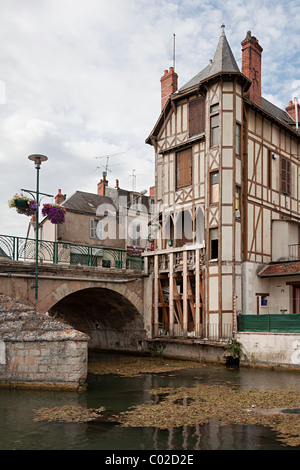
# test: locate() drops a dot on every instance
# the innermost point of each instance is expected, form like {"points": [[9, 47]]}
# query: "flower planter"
{"points": [[54, 213], [23, 205]]}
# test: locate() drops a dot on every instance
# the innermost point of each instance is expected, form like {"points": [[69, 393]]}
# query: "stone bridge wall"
{"points": [[36, 350], [113, 307]]}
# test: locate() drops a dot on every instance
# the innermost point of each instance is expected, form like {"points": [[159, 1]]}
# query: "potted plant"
{"points": [[54, 212], [23, 204], [235, 352]]}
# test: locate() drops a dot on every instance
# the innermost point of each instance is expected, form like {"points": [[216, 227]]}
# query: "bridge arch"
{"points": [[108, 317]]}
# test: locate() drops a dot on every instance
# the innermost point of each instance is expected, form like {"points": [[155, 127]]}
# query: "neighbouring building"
{"points": [[108, 228], [227, 189]]}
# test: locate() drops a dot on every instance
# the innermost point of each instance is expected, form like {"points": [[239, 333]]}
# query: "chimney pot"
{"points": [[169, 84], [291, 109], [101, 185], [251, 66], [59, 198]]}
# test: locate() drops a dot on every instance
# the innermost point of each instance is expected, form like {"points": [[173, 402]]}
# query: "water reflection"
{"points": [[19, 430]]}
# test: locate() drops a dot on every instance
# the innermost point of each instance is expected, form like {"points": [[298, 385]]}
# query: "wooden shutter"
{"points": [[184, 168], [92, 228], [197, 116]]}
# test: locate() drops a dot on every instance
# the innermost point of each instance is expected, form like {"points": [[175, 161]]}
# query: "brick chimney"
{"points": [[292, 108], [102, 185], [169, 84], [251, 66], [59, 198]]}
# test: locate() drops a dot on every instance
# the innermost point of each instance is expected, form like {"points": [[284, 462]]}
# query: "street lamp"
{"points": [[37, 159]]}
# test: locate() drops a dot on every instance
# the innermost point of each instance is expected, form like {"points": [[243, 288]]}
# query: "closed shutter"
{"points": [[197, 116], [92, 228], [184, 168], [100, 230]]}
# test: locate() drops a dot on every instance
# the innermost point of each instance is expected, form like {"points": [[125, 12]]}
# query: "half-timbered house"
{"points": [[227, 187]]}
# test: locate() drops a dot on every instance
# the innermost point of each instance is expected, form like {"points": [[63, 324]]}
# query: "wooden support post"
{"points": [[171, 294], [197, 292], [185, 294], [155, 328]]}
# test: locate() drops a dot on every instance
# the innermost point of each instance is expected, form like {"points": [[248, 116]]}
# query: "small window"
{"points": [[238, 202], [285, 176], [214, 125], [214, 108], [214, 187], [269, 170], [238, 131], [214, 243]]}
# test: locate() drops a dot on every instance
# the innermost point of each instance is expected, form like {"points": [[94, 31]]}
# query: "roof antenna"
{"points": [[296, 112], [174, 51]]}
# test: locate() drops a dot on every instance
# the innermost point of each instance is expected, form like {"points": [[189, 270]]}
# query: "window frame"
{"points": [[212, 185], [213, 246], [238, 139], [285, 176], [238, 201], [214, 130]]}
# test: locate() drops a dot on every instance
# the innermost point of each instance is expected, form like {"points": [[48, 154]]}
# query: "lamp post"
{"points": [[37, 159]]}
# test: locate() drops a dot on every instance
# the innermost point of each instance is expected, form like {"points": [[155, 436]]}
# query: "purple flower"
{"points": [[54, 212]]}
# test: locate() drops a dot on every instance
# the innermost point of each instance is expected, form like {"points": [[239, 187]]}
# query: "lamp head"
{"points": [[38, 159]]}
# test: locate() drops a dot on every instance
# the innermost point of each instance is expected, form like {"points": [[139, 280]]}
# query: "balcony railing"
{"points": [[23, 249], [276, 323], [294, 252]]}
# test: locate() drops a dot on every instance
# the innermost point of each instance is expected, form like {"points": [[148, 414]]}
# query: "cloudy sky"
{"points": [[80, 81]]}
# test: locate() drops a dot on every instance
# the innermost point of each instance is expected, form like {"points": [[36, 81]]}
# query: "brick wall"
{"points": [[44, 362]]}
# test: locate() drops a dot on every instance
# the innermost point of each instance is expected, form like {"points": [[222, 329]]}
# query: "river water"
{"points": [[19, 431]]}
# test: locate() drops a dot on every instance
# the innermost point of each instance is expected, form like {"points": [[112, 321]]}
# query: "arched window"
{"points": [[169, 231], [199, 228], [184, 229]]}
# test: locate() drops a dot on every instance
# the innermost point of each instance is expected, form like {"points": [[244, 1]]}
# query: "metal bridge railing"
{"points": [[23, 249]]}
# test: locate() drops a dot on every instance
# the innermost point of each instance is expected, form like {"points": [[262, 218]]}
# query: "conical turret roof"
{"points": [[223, 62]]}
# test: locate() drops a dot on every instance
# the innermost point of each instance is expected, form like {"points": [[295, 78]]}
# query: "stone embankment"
{"points": [[39, 351]]}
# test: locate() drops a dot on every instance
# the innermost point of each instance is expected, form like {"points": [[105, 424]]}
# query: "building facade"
{"points": [[227, 188], [107, 229]]}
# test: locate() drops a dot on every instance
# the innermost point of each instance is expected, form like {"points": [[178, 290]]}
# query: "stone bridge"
{"points": [[112, 306]]}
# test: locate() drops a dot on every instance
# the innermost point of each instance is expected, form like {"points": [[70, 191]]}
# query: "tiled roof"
{"points": [[288, 268]]}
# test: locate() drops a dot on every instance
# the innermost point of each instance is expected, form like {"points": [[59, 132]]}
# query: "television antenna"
{"points": [[107, 160], [133, 176]]}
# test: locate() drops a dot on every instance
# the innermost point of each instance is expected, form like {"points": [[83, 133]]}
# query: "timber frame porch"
{"points": [[179, 293]]}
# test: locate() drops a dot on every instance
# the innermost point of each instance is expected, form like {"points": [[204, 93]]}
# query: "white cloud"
{"points": [[81, 78]]}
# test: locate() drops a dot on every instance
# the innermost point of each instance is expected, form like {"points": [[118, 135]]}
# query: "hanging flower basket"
{"points": [[23, 205], [54, 212]]}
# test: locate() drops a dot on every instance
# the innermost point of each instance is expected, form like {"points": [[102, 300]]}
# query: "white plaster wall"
{"points": [[271, 348]]}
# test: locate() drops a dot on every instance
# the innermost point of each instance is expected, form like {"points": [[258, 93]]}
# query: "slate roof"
{"points": [[223, 62], [86, 202]]}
